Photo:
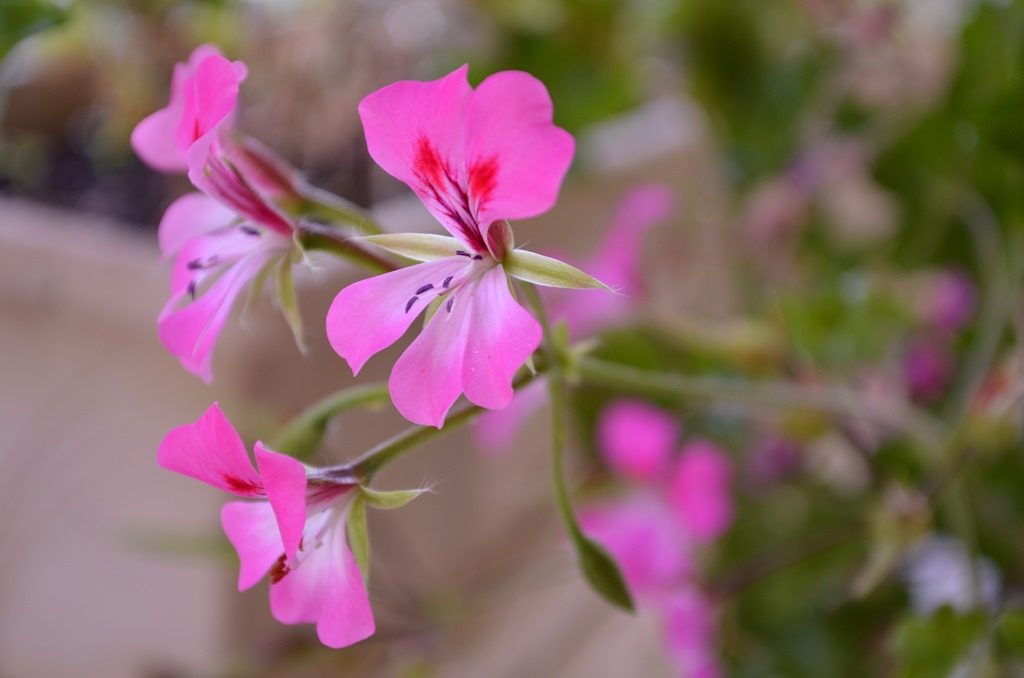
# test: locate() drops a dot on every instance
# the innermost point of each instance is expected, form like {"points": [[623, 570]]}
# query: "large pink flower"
{"points": [[475, 158], [295, 530], [204, 92]]}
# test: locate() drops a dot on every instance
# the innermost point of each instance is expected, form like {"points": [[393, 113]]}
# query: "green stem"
{"points": [[302, 435], [764, 395], [315, 236], [366, 465], [324, 205], [598, 567]]}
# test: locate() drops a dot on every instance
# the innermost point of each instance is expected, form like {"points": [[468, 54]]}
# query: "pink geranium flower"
{"points": [[294, 530], [204, 92], [475, 157], [224, 237]]}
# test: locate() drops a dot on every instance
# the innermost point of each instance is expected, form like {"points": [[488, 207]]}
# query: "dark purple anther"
{"points": [[249, 230], [448, 306], [478, 257], [425, 288], [462, 253], [447, 281], [194, 265], [409, 304], [192, 290]]}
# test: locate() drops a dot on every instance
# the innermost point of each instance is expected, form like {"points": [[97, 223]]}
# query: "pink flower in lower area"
{"points": [[204, 92], [476, 158], [673, 504], [294, 530]]}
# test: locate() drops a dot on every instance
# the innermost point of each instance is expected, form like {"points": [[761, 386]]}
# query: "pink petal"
{"points": [[427, 377], [285, 480], [326, 588], [700, 490], [370, 315], [190, 333], [503, 335], [496, 430], [642, 535], [188, 217], [211, 450], [153, 140], [162, 139], [416, 132], [637, 439], [207, 255], [689, 620], [252, 530], [516, 157], [618, 260], [209, 98]]}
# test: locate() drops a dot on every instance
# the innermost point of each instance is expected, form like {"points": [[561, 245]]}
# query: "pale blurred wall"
{"points": [[476, 579]]}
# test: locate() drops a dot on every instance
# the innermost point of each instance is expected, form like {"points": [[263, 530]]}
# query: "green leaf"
{"points": [[20, 19], [358, 536], [417, 246], [541, 270], [287, 300], [600, 571], [933, 646], [386, 501]]}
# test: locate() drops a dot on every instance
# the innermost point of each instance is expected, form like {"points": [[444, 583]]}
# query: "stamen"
{"points": [[409, 304], [194, 265], [448, 306], [249, 230], [425, 288], [463, 253], [478, 257], [192, 290], [447, 281]]}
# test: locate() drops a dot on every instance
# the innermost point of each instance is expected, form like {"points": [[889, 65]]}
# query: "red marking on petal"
{"points": [[483, 176], [279, 570], [428, 163], [242, 486]]}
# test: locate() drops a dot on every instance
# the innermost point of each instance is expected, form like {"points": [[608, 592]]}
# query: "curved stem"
{"points": [[324, 205], [366, 465], [763, 394], [302, 435], [314, 236]]}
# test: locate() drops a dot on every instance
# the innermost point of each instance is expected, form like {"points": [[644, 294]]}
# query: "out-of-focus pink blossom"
{"points": [[690, 622], [700, 490], [644, 537], [618, 262], [950, 306], [204, 92], [927, 367], [637, 440], [669, 508], [475, 158], [295, 530], [772, 459]]}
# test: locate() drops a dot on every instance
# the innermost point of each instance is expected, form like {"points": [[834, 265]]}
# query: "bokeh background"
{"points": [[836, 163]]}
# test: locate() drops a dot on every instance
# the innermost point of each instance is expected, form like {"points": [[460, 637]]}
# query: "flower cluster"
{"points": [[674, 504], [476, 158]]}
